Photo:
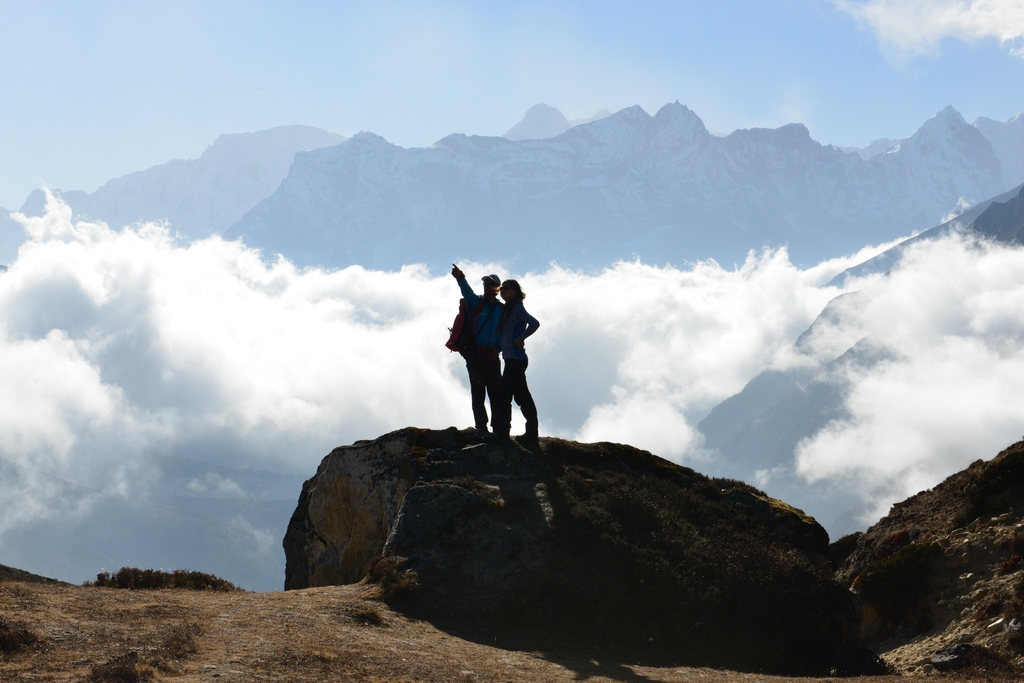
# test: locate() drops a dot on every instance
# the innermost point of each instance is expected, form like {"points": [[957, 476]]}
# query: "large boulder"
{"points": [[601, 547]]}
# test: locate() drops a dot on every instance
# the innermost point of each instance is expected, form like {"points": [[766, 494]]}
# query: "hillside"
{"points": [[944, 567], [318, 634]]}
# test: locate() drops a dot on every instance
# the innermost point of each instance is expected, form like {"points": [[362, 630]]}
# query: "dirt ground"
{"points": [[319, 634]]}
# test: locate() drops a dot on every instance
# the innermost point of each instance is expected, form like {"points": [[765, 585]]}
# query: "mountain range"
{"points": [[198, 197], [658, 187], [661, 188]]}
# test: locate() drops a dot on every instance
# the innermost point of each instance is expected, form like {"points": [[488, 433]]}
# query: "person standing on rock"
{"points": [[482, 359], [516, 325]]}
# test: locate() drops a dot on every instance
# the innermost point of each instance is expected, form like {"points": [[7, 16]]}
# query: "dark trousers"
{"points": [[484, 378], [513, 386]]}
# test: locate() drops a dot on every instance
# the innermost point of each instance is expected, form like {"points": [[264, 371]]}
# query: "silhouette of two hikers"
{"points": [[490, 330]]}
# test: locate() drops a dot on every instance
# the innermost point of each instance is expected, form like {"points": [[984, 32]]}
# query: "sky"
{"points": [[95, 90]]}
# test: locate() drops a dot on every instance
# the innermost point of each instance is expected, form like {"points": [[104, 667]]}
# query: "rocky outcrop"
{"points": [[943, 568], [602, 547]]}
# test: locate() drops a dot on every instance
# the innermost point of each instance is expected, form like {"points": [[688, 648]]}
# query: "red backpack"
{"points": [[460, 334]]}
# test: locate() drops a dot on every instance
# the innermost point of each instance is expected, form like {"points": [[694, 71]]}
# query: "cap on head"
{"points": [[491, 280]]}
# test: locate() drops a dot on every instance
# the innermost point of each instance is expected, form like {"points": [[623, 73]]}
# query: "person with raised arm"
{"points": [[482, 356]]}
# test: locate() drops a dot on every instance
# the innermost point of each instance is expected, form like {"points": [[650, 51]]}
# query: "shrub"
{"points": [[998, 476], [120, 669], [892, 543], [151, 579], [1017, 545], [841, 549], [180, 641], [386, 572], [1010, 564], [364, 614], [14, 637], [896, 584], [988, 610]]}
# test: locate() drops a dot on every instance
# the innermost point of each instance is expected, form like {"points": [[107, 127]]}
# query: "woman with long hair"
{"points": [[515, 326]]}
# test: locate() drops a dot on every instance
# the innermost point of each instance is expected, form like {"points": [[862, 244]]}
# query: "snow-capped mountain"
{"points": [[659, 187], [201, 196]]}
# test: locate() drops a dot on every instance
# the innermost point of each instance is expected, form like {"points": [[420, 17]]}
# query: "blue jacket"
{"points": [[485, 324], [518, 325]]}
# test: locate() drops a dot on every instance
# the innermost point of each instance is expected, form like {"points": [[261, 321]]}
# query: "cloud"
{"points": [[916, 27], [120, 350], [948, 329]]}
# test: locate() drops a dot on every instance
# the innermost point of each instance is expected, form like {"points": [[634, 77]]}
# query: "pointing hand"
{"points": [[457, 274]]}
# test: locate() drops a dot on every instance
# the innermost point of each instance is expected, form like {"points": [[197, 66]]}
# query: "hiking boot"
{"points": [[479, 433], [528, 440]]}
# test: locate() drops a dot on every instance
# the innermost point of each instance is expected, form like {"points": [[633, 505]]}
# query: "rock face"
{"points": [[943, 568], [600, 546]]}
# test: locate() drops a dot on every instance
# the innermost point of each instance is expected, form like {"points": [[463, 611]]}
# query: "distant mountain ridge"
{"points": [[607, 188], [198, 197], [659, 187]]}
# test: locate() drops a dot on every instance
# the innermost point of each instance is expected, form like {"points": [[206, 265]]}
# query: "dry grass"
{"points": [[318, 634]]}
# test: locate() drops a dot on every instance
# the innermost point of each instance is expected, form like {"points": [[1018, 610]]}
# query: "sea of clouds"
{"points": [[120, 349]]}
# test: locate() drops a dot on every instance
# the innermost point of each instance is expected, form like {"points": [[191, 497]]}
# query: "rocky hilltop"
{"points": [[941, 572], [595, 547]]}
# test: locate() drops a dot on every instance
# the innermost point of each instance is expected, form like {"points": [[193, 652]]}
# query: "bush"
{"points": [[14, 638], [841, 549], [988, 610], [180, 641], [364, 614], [1010, 564], [386, 572], [895, 585], [152, 579], [121, 669], [999, 476]]}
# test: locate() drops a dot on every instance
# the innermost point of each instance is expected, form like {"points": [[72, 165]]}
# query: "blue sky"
{"points": [[92, 91]]}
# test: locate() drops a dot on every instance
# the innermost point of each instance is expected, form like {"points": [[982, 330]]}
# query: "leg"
{"points": [[525, 402], [492, 378], [477, 389]]}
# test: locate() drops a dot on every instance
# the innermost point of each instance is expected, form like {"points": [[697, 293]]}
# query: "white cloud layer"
{"points": [[948, 325], [913, 27], [121, 348]]}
